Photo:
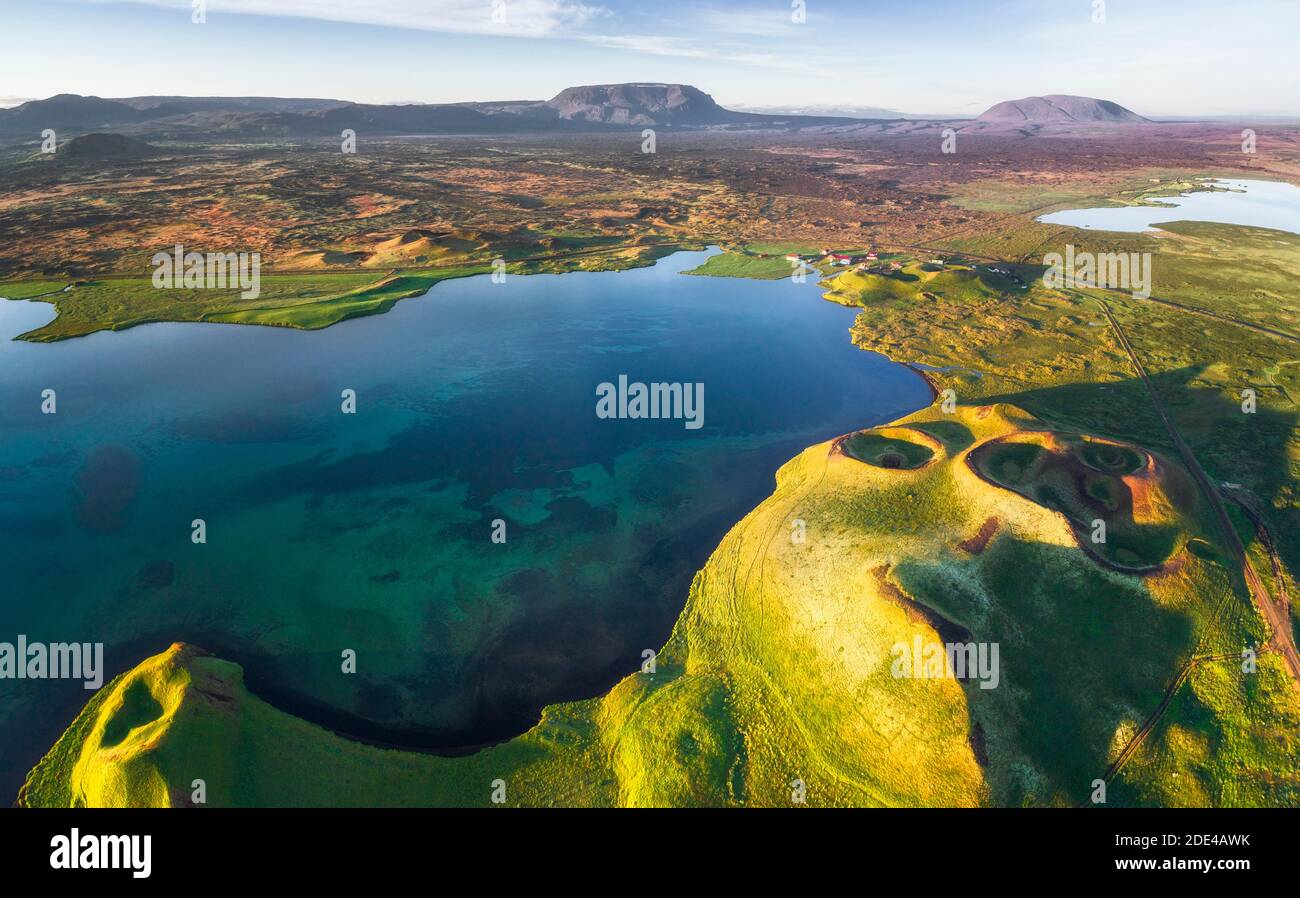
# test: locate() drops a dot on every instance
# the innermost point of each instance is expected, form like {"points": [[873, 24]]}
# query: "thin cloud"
{"points": [[554, 19], [658, 45], [511, 18], [772, 23]]}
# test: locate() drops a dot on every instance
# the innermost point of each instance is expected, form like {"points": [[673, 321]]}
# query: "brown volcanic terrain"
{"points": [[306, 206]]}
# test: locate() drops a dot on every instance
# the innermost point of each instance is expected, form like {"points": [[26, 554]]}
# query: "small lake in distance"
{"points": [[1259, 204]]}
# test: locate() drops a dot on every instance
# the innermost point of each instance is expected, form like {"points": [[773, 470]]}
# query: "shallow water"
{"points": [[371, 531], [1260, 204]]}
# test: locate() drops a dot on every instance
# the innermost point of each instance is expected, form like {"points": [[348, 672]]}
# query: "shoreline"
{"points": [[354, 728], [437, 274]]}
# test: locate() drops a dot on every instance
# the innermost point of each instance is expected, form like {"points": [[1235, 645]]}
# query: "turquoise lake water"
{"points": [[1260, 204], [371, 532]]}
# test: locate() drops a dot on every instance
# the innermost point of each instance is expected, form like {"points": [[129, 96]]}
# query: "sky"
{"points": [[1157, 57]]}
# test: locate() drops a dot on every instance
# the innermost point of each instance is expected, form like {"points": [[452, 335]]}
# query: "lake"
{"points": [[1260, 204], [373, 531]]}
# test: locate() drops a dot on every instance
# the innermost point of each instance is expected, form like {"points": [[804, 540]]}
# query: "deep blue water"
{"points": [[372, 531]]}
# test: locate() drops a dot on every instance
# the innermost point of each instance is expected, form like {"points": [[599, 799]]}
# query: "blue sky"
{"points": [[921, 56]]}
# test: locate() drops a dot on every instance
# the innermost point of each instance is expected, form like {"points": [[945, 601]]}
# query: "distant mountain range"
{"points": [[601, 107], [586, 108]]}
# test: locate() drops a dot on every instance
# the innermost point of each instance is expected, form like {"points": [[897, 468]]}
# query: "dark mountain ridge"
{"points": [[584, 108]]}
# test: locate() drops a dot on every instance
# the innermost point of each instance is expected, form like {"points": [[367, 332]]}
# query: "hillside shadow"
{"points": [[1075, 665], [1245, 455], [1059, 477], [1232, 446]]}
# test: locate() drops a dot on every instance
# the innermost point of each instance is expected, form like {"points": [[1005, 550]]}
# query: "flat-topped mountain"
{"points": [[641, 104], [1058, 108]]}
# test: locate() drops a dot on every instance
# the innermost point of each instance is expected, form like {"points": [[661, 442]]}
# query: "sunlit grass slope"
{"points": [[778, 674], [917, 284]]}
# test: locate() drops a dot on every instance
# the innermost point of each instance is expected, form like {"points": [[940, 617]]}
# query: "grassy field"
{"points": [[28, 289], [745, 265], [762, 261], [307, 301]]}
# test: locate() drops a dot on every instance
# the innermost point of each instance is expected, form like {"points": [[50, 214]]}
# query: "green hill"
{"points": [[918, 282]]}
